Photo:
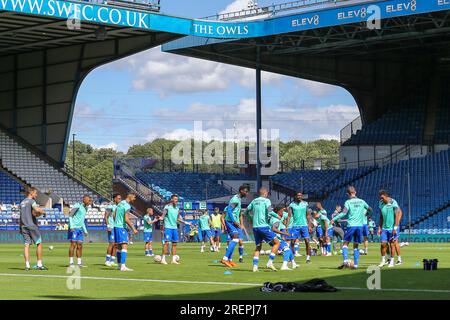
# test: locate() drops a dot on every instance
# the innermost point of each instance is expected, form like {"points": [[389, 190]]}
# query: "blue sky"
{"points": [[154, 94]]}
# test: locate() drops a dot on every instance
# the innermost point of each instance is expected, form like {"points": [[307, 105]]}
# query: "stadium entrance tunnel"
{"points": [[378, 67], [42, 64]]}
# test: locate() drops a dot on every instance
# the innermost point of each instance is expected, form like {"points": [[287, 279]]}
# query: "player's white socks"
{"points": [[202, 249], [399, 258], [70, 260], [27, 264], [308, 258], [79, 261], [284, 266], [39, 263], [383, 261]]}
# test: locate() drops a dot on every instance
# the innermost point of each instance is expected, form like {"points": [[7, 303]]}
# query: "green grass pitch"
{"points": [[200, 276]]}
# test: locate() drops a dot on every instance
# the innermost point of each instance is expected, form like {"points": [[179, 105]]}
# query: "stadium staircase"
{"points": [[146, 197], [33, 168]]}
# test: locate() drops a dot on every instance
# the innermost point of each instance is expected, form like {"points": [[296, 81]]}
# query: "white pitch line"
{"points": [[397, 290], [246, 284], [130, 279]]}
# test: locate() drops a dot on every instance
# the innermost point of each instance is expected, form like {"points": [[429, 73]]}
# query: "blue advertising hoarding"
{"points": [[125, 17]]}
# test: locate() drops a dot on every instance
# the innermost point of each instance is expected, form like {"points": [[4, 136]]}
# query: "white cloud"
{"points": [[317, 89], [328, 137], [236, 5], [111, 145], [167, 73]]}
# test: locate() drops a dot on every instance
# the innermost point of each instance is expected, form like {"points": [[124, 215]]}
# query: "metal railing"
{"points": [[94, 186], [350, 129], [271, 10], [148, 5]]}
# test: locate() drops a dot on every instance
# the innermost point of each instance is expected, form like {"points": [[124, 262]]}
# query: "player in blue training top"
{"points": [[77, 229], [171, 216], [390, 217], [285, 248], [300, 224], [327, 231], [260, 208], [121, 220], [320, 233], [149, 221], [233, 224], [109, 220], [355, 210]]}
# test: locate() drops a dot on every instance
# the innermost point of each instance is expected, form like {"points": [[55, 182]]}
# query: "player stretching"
{"points": [[170, 216], [327, 231], [354, 209], [260, 209], [320, 232], [275, 222], [148, 232], [77, 229], [217, 228], [121, 220], [233, 223], [109, 219], [301, 225], [29, 211], [390, 217], [205, 226]]}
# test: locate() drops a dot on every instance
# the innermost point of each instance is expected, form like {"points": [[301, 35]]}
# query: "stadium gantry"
{"points": [[380, 51]]}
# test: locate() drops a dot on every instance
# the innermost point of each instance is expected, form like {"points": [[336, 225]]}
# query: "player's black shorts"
{"points": [[31, 235]]}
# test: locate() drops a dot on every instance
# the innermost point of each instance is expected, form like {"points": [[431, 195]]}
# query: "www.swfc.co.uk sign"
{"points": [[125, 17]]}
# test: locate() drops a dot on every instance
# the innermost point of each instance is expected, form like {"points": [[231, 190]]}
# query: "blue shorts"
{"points": [[353, 234], [232, 230], [365, 231], [148, 236], [206, 234], [171, 235], [263, 234], [240, 236], [298, 233], [75, 235], [216, 232], [111, 236], [387, 235], [284, 246], [319, 232], [330, 232], [120, 235]]}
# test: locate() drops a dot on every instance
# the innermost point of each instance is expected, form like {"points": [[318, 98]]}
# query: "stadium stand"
{"points": [[10, 189], [430, 188], [401, 125], [35, 171], [190, 186], [317, 183], [442, 134]]}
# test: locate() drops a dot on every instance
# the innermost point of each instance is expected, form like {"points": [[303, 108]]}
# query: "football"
{"points": [[157, 258], [176, 258]]}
